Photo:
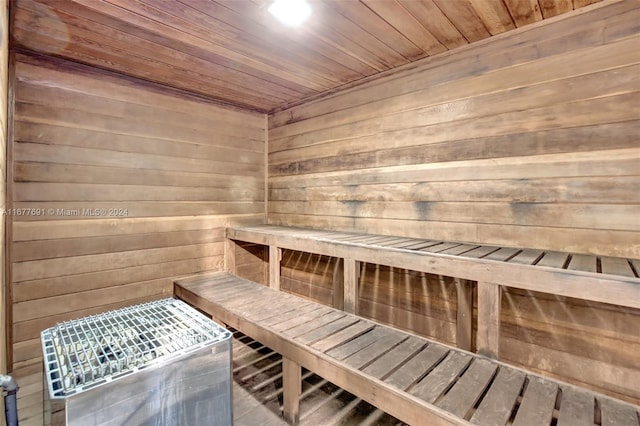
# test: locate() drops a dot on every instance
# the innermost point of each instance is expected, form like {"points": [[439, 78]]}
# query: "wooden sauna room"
{"points": [[398, 212]]}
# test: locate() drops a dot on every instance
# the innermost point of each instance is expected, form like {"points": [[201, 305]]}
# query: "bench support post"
{"points": [[230, 256], [338, 284], [351, 278], [275, 256], [489, 304], [464, 320], [292, 388]]}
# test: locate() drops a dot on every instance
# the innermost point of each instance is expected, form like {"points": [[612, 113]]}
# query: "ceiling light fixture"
{"points": [[290, 12]]}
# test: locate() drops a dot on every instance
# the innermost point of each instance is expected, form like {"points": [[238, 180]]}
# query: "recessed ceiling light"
{"points": [[290, 12]]}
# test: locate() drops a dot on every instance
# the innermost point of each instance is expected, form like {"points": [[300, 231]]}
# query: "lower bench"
{"points": [[414, 379]]}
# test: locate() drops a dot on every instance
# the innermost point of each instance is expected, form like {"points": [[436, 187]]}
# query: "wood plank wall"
{"points": [[527, 140], [4, 79], [162, 173]]}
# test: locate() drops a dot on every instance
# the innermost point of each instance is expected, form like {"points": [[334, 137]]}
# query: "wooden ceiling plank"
{"points": [[82, 51], [171, 37], [387, 56], [398, 17], [92, 36], [465, 18], [161, 16], [283, 42], [186, 18], [192, 66], [495, 15], [367, 19], [260, 17], [552, 8], [128, 28], [524, 12], [324, 28], [432, 18]]}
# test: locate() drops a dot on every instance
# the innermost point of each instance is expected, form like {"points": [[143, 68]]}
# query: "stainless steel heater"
{"points": [[158, 363]]}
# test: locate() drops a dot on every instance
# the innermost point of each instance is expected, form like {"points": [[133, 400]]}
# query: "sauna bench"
{"points": [[419, 381], [588, 277]]}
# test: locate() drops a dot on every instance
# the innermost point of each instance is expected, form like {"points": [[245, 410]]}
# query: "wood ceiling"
{"points": [[234, 51]]}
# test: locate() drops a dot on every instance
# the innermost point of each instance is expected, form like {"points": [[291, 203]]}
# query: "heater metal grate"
{"points": [[84, 353]]}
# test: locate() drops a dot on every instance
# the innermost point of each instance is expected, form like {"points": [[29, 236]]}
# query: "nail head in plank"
{"points": [[417, 366], [615, 413], [343, 336], [576, 407], [616, 266], [442, 377], [583, 262], [467, 391], [497, 405], [537, 404], [388, 362]]}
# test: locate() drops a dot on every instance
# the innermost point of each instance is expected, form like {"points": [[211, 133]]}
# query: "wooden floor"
{"points": [[257, 393]]}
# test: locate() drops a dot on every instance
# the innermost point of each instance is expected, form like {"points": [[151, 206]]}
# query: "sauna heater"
{"points": [[157, 363]]}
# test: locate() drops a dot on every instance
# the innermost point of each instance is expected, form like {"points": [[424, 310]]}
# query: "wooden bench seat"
{"points": [[414, 379], [588, 277]]}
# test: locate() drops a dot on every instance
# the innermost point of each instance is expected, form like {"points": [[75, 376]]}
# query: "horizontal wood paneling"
{"points": [[528, 141], [182, 43], [170, 172]]}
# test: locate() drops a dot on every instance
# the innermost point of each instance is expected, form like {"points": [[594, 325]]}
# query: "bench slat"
{"points": [[503, 254], [372, 352], [310, 326], [496, 407], [480, 252], [583, 262], [388, 362], [404, 242], [297, 313], [463, 248], [442, 377], [467, 391], [345, 335], [616, 266], [576, 408], [358, 343], [417, 367], [538, 401], [325, 330], [422, 245], [440, 247], [527, 257], [553, 259], [305, 319], [616, 414]]}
